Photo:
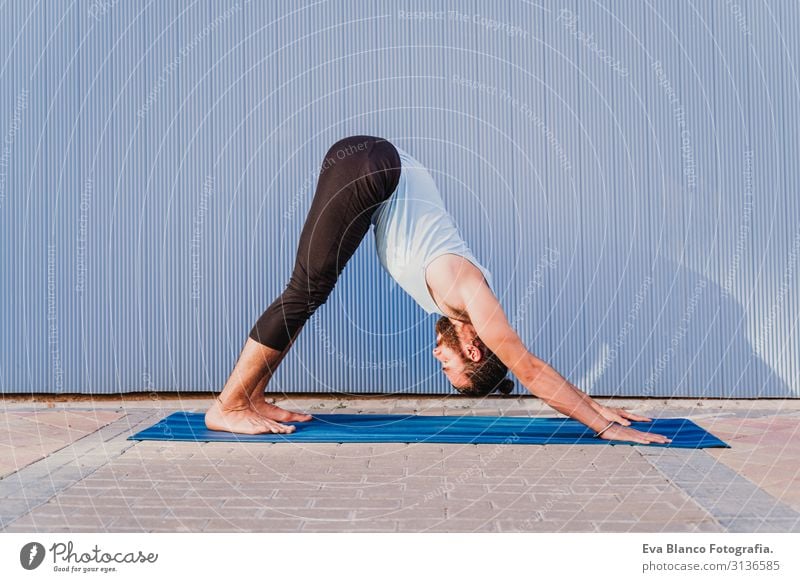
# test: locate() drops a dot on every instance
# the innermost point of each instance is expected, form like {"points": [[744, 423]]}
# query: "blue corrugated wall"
{"points": [[628, 172]]}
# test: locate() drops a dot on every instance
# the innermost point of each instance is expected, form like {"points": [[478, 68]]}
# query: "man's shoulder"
{"points": [[453, 266], [453, 277]]}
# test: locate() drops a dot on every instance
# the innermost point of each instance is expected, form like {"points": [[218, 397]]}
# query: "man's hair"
{"points": [[486, 376]]}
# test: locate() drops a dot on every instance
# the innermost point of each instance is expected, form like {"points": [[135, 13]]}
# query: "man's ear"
{"points": [[473, 352]]}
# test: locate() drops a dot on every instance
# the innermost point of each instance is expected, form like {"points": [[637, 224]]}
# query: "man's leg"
{"points": [[241, 407], [357, 175]]}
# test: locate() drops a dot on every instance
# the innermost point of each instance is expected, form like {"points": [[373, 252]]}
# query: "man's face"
{"points": [[449, 351]]}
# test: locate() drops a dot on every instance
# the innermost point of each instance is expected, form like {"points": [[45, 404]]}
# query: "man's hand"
{"points": [[623, 433], [619, 415]]}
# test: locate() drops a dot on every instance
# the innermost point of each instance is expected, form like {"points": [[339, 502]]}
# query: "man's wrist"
{"points": [[602, 430]]}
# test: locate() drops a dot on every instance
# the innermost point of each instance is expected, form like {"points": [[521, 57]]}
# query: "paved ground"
{"points": [[67, 466]]}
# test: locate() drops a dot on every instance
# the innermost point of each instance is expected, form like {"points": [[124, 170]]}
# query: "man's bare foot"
{"points": [[274, 412], [245, 420]]}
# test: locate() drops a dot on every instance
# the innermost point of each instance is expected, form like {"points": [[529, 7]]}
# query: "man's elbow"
{"points": [[528, 369]]}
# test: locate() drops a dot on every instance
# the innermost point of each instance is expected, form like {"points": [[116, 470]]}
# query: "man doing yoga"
{"points": [[368, 181]]}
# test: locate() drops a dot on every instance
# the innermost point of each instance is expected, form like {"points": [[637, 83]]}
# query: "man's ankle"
{"points": [[232, 404]]}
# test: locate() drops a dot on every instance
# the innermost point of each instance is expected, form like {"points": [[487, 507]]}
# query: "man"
{"points": [[368, 181]]}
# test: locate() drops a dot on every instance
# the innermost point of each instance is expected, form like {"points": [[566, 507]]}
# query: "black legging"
{"points": [[357, 174]]}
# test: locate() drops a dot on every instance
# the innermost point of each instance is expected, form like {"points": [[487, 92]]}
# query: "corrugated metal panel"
{"points": [[627, 172]]}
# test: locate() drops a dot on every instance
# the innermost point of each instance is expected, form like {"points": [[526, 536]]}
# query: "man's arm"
{"points": [[490, 322]]}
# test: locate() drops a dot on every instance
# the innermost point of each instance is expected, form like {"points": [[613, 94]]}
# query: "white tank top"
{"points": [[412, 228]]}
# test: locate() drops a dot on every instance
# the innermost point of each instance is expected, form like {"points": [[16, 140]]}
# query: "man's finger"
{"points": [[618, 418], [649, 437], [636, 417], [639, 418]]}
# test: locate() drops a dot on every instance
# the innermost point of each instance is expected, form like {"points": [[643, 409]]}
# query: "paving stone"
{"points": [[221, 525], [43, 522], [368, 490], [310, 513], [460, 524], [572, 526], [465, 509], [707, 526], [493, 483], [301, 491], [175, 502], [154, 524], [232, 513], [757, 525], [466, 491], [356, 503], [406, 512], [633, 526], [370, 527], [421, 524]]}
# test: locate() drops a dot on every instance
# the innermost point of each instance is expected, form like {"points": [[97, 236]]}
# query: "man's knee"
{"points": [[310, 294]]}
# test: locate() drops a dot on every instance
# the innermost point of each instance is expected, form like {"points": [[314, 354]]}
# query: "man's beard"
{"points": [[449, 336]]}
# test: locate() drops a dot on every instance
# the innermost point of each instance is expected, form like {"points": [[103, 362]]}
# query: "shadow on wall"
{"points": [[671, 332]]}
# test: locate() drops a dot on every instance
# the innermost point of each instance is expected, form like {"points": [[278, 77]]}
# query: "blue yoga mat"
{"points": [[396, 428]]}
